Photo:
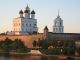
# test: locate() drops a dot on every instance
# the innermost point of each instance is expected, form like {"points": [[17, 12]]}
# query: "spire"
{"points": [[58, 14]]}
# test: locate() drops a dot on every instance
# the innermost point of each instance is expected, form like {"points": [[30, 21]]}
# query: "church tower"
{"points": [[58, 25]]}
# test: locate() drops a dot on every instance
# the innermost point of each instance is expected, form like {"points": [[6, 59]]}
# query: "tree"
{"points": [[18, 46], [8, 41], [54, 43], [6, 44], [43, 44], [78, 49]]}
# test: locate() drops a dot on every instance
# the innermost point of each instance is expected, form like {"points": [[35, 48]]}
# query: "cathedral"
{"points": [[25, 23]]}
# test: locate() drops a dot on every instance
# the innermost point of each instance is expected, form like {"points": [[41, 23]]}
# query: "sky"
{"points": [[46, 12]]}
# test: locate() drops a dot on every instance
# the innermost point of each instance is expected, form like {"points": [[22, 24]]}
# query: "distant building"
{"points": [[58, 25], [25, 23]]}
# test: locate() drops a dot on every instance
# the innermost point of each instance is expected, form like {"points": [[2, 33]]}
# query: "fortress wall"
{"points": [[65, 36], [27, 39]]}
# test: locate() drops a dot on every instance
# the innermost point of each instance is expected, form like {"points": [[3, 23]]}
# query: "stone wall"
{"points": [[27, 39], [64, 36]]}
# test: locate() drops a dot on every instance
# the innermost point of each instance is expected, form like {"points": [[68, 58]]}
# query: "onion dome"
{"points": [[33, 12], [26, 11], [46, 28], [20, 12]]}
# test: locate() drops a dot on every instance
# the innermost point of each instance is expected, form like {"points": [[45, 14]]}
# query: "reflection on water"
{"points": [[29, 57]]}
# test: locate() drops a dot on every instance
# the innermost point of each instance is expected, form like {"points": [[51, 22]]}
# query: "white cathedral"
{"points": [[25, 23]]}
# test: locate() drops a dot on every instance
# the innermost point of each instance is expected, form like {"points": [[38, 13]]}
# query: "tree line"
{"points": [[9, 45], [67, 47]]}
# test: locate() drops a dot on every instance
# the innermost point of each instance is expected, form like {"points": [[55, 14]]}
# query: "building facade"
{"points": [[58, 25], [25, 23]]}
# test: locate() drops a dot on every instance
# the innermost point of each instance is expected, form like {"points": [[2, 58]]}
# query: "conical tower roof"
{"points": [[46, 28]]}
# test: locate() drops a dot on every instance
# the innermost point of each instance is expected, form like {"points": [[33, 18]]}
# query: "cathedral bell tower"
{"points": [[58, 25]]}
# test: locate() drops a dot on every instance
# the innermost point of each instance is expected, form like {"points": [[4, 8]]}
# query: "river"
{"points": [[32, 57], [28, 57]]}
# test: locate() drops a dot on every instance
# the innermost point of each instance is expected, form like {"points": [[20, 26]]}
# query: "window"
{"points": [[14, 29], [19, 29], [57, 24], [19, 24], [59, 29], [54, 29], [22, 24], [34, 24], [30, 24], [60, 23], [22, 29], [26, 24], [26, 29]]}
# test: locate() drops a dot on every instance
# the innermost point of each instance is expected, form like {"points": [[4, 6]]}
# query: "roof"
{"points": [[46, 28], [65, 33], [33, 12], [20, 12], [26, 11]]}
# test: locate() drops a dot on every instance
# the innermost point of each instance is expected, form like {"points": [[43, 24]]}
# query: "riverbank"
{"points": [[43, 55]]}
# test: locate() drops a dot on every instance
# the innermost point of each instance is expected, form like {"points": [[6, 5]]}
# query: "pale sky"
{"points": [[46, 12]]}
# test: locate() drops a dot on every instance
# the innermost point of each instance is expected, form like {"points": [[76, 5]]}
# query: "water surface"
{"points": [[30, 57]]}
